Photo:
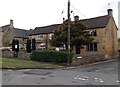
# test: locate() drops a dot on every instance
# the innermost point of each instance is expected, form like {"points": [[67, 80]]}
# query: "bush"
{"points": [[15, 42], [28, 46], [51, 56], [33, 44]]}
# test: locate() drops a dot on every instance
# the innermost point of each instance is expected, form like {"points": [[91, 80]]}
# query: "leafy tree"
{"points": [[28, 47], [33, 44], [78, 35], [15, 45], [118, 39], [7, 43]]}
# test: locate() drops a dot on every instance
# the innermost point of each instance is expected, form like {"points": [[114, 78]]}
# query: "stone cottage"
{"points": [[8, 33], [102, 28]]}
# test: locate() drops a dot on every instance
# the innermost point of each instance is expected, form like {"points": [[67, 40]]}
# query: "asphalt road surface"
{"points": [[102, 74]]}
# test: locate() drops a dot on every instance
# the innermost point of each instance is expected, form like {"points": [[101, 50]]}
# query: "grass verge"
{"points": [[16, 64]]}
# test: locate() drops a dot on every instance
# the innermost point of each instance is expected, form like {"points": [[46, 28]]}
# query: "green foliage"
{"points": [[118, 39], [51, 56], [7, 43], [33, 44], [13, 45], [78, 35], [28, 46], [15, 42]]}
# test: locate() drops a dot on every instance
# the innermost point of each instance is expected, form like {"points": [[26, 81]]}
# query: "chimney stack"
{"points": [[76, 18], [110, 12], [11, 23]]}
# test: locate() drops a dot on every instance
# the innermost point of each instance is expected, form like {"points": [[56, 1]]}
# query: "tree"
{"points": [[118, 39], [33, 44], [7, 43], [28, 47], [15, 45], [78, 35]]}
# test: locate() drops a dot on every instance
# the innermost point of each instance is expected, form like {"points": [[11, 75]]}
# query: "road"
{"points": [[101, 74]]}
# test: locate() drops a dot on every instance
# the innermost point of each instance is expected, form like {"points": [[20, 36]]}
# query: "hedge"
{"points": [[28, 46], [51, 56]]}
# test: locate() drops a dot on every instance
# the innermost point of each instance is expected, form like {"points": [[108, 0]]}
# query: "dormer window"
{"points": [[93, 32]]}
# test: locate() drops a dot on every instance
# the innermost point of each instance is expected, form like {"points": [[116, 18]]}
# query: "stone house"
{"points": [[8, 33], [104, 32], [43, 36], [102, 28]]}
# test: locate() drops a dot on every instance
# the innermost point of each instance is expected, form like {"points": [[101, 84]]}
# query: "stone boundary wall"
{"points": [[77, 60], [89, 58], [21, 55]]}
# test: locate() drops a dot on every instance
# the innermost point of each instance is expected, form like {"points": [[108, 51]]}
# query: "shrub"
{"points": [[15, 42], [51, 56], [33, 44], [28, 46]]}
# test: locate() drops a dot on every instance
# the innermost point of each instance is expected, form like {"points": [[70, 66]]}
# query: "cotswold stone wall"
{"points": [[89, 58], [21, 55], [77, 60], [7, 54]]}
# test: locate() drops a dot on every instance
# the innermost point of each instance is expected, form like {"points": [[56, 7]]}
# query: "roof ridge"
{"points": [[94, 17], [47, 26], [20, 29], [6, 25]]}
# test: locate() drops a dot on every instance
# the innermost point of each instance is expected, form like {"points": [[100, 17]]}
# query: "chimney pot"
{"points": [[110, 12], [76, 18], [11, 23]]}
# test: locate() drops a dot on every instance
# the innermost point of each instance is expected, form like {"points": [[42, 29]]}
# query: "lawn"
{"points": [[16, 63]]}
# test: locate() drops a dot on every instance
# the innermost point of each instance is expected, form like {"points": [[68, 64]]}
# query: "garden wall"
{"points": [[77, 60], [21, 55], [89, 58]]}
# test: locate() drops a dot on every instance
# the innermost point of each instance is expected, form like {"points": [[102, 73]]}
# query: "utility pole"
{"points": [[68, 30], [68, 26]]}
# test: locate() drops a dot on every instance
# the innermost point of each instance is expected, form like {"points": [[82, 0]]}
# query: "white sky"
{"points": [[36, 13]]}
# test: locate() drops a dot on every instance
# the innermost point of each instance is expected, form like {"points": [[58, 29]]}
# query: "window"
{"points": [[92, 47], [40, 36], [93, 32]]}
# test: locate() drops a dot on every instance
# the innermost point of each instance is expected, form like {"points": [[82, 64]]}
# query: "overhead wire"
{"points": [[62, 12], [78, 11]]}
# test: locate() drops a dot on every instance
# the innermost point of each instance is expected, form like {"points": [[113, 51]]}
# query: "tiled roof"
{"points": [[4, 28], [45, 29], [20, 33], [97, 22], [92, 23]]}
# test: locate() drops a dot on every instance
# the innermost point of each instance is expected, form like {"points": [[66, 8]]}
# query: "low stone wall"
{"points": [[25, 56], [21, 55], [7, 54], [88, 58], [77, 60]]}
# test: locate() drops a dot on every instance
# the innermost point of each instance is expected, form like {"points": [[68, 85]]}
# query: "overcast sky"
{"points": [[36, 13]]}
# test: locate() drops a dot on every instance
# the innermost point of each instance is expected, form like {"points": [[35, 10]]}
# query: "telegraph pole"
{"points": [[68, 30], [68, 26]]}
